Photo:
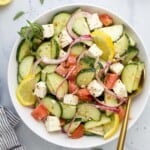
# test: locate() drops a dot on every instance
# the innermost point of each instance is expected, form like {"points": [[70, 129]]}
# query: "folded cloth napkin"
{"points": [[8, 138]]}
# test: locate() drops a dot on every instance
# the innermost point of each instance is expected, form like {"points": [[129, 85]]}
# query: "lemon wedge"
{"points": [[24, 91], [111, 128], [104, 42], [4, 2]]}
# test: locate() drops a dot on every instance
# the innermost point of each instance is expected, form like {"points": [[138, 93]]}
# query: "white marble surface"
{"points": [[135, 11]]}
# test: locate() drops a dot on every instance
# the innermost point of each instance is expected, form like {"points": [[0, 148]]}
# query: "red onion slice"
{"points": [[79, 13]]}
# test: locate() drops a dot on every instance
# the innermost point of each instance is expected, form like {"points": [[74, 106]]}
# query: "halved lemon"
{"points": [[25, 89], [104, 42], [111, 128], [4, 2]]}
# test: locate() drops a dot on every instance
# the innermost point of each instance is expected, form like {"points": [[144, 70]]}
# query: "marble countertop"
{"points": [[134, 11]]}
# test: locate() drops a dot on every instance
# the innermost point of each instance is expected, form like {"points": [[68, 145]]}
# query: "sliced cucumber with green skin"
{"points": [[85, 76], [73, 126], [52, 105], [38, 69], [25, 66], [96, 131], [88, 133], [44, 50], [128, 76], [19, 78], [87, 112], [110, 101], [23, 50], [59, 21], [80, 26], [138, 75], [55, 49], [47, 69], [115, 31], [77, 49], [130, 54], [68, 111], [131, 40], [38, 77], [87, 62], [53, 82], [121, 45], [92, 124]]}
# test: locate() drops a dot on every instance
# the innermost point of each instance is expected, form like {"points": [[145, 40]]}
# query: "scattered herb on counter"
{"points": [[41, 1], [18, 15]]}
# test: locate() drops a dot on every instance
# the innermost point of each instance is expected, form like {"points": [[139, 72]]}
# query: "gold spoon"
{"points": [[123, 131]]}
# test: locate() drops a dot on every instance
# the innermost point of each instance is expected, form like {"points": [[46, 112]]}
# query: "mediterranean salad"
{"points": [[76, 73]]}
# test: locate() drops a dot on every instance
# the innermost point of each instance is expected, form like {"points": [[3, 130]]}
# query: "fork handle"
{"points": [[123, 131]]}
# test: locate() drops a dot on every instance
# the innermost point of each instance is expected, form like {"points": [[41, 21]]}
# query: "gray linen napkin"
{"points": [[8, 138]]}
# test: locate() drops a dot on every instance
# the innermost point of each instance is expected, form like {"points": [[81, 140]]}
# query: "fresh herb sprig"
{"points": [[18, 15], [31, 33]]}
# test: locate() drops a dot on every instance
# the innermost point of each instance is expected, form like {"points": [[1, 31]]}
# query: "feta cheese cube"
{"points": [[120, 89], [48, 30], [70, 99], [65, 38], [62, 53], [117, 68], [52, 124], [95, 51], [40, 89], [94, 21], [95, 88]]}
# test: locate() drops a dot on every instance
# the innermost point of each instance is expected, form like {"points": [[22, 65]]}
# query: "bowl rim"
{"points": [[78, 5]]}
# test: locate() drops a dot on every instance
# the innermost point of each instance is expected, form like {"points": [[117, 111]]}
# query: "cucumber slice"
{"points": [[19, 78], [128, 76], [121, 45], [131, 41], [53, 106], [44, 50], [78, 49], [23, 51], [59, 21], [38, 77], [54, 49], [68, 111], [73, 126], [115, 31], [80, 26], [130, 54], [53, 82], [138, 75], [96, 131], [87, 112], [85, 76], [87, 62], [92, 124], [38, 70], [110, 101], [47, 69], [25, 66]]}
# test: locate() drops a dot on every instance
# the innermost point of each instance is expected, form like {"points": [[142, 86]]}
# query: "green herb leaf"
{"points": [[18, 15], [42, 1], [31, 33]]}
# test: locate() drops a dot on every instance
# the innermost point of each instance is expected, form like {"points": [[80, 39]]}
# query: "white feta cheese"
{"points": [[48, 30], [40, 89], [94, 21], [120, 89], [95, 51], [117, 68], [70, 99], [52, 124], [62, 53], [95, 88], [65, 38]]}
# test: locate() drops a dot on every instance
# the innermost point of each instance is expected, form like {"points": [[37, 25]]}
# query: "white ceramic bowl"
{"points": [[59, 138]]}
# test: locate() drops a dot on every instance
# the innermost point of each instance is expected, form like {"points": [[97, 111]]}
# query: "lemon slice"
{"points": [[4, 2], [104, 42], [111, 128], [24, 91]]}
